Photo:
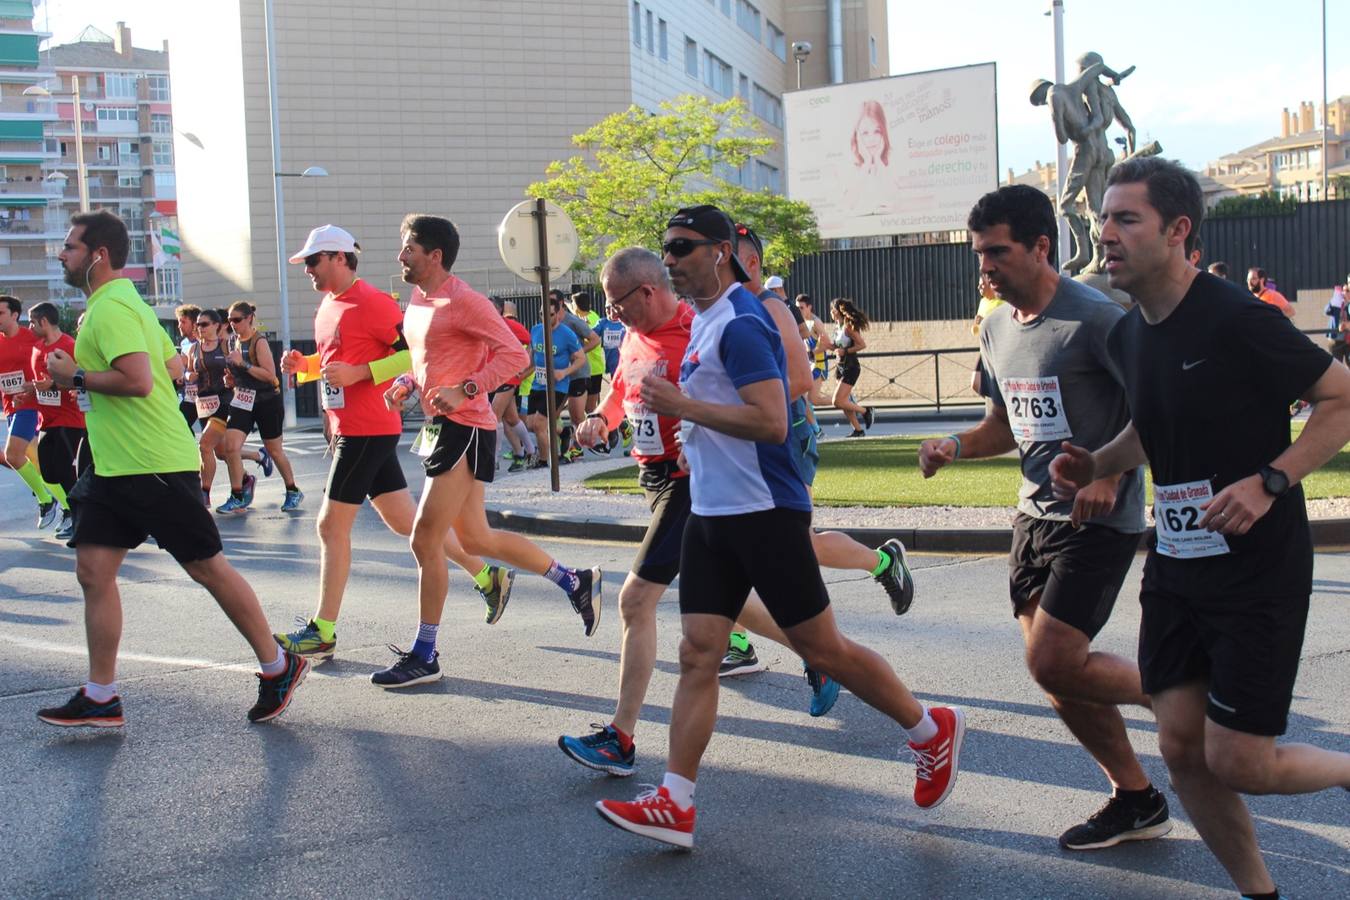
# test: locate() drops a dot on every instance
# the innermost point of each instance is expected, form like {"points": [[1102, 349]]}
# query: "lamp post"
{"points": [[800, 51], [1056, 12], [81, 174]]}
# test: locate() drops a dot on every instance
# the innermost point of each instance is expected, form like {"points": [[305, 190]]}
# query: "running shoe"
{"points": [[66, 530], [265, 462], [508, 453], [614, 438], [626, 433], [292, 501], [739, 662], [498, 593], [539, 463], [80, 711], [573, 454], [565, 439], [857, 432], [46, 514], [586, 599], [410, 669], [602, 751], [824, 691], [307, 642], [233, 506], [250, 482], [653, 814], [602, 448], [275, 691], [1120, 820], [897, 579], [869, 416], [519, 464], [937, 762]]}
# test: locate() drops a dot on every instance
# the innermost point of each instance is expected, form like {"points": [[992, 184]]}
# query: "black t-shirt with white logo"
{"points": [[1209, 390]]}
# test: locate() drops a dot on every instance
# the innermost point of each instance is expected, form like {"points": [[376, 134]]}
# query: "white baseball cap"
{"points": [[773, 281], [327, 238]]}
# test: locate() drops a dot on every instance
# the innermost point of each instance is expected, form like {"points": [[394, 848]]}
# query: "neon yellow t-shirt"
{"points": [[132, 435], [596, 356]]}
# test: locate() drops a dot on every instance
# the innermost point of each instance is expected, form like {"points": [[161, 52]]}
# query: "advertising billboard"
{"points": [[897, 155]]}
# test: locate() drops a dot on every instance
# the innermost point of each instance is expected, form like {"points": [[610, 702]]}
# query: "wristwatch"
{"points": [[77, 380], [1275, 482], [470, 388]]}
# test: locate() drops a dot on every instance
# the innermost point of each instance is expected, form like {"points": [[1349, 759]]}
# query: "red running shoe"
{"points": [[937, 761], [653, 814]]}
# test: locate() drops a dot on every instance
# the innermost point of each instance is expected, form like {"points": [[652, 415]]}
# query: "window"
{"points": [[116, 119], [717, 74], [747, 16], [662, 41], [129, 180], [745, 88], [159, 87], [872, 45], [163, 153], [726, 8], [161, 124], [777, 42], [766, 176], [137, 253], [167, 278], [104, 153], [691, 57], [651, 34], [120, 85], [767, 107], [128, 152], [637, 24], [165, 186]]}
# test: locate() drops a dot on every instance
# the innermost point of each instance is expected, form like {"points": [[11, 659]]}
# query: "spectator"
{"points": [[1338, 322], [989, 301], [1264, 290]]}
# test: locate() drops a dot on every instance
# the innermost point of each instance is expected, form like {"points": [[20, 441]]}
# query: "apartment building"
{"points": [[451, 107], [1290, 165]]}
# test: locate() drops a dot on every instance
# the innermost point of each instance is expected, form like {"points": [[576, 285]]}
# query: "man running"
{"points": [[60, 420], [578, 388], [750, 528], [582, 309], [1209, 376], [1050, 379], [569, 365], [21, 408], [186, 314], [460, 349], [507, 409], [143, 482]]}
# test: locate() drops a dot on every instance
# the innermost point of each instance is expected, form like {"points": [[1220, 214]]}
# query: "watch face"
{"points": [[1275, 481]]}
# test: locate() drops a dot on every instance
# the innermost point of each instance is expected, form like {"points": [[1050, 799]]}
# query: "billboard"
{"points": [[895, 155]]}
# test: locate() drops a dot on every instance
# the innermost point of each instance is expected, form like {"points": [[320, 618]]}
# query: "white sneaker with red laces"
{"points": [[653, 814], [936, 762]]}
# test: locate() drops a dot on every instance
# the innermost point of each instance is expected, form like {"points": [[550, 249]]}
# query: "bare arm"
{"points": [[991, 437], [129, 376], [798, 363], [761, 415]]}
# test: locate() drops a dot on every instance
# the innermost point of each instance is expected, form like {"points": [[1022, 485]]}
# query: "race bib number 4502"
{"points": [[1035, 409], [1177, 515]]}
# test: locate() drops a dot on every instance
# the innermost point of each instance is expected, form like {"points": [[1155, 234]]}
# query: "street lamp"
{"points": [[82, 176], [800, 51], [1056, 14]]}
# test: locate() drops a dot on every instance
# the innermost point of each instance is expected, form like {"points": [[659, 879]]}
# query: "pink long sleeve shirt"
{"points": [[455, 335]]}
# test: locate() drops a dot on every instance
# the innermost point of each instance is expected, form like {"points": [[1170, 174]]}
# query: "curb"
{"points": [[1327, 534]]}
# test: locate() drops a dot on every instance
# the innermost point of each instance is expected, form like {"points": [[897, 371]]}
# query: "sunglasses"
{"points": [[681, 247], [234, 321], [313, 259], [206, 323]]}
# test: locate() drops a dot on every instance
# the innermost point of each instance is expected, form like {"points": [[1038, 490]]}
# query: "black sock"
{"points": [[1138, 798], [292, 488], [238, 495], [1273, 895]]}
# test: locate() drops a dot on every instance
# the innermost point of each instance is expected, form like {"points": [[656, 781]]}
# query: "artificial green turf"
{"points": [[885, 472]]}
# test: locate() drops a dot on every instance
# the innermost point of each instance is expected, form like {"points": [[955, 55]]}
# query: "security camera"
{"points": [[801, 50]]}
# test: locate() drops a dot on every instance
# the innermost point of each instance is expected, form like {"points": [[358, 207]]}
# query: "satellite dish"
{"points": [[518, 240]]}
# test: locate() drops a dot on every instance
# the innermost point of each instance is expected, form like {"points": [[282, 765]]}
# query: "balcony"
{"points": [[27, 193], [33, 270], [12, 231], [34, 107]]}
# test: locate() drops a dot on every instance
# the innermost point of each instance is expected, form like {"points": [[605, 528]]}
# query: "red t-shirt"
{"points": [[16, 367], [659, 353], [357, 327], [56, 408], [523, 335]]}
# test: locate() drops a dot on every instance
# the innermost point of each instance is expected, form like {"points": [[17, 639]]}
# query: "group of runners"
{"points": [[713, 378]]}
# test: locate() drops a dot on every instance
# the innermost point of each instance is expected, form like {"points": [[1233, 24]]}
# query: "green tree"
{"points": [[637, 168], [1267, 203]]}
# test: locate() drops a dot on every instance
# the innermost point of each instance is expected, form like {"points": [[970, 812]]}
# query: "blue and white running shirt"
{"points": [[731, 344]]}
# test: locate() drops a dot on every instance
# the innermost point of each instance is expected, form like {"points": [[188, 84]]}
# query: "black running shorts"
{"points": [[267, 414], [723, 557], [63, 453], [595, 383], [453, 442], [365, 466], [1076, 572], [579, 386], [849, 370], [1246, 648], [658, 559], [538, 403], [124, 510]]}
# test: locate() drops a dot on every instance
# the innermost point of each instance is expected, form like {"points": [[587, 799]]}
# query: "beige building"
{"points": [[1291, 165], [450, 107]]}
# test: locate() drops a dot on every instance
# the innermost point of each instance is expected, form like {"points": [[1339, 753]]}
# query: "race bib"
{"points": [[540, 375], [49, 398], [11, 382], [646, 430], [207, 406], [243, 399], [334, 397], [1035, 409], [190, 392], [1177, 514], [426, 439], [82, 400], [613, 338]]}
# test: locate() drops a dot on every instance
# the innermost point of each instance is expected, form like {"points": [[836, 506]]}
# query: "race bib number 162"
{"points": [[1177, 515]]}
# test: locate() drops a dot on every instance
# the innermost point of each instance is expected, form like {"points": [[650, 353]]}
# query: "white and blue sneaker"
{"points": [[601, 751], [265, 462], [292, 501], [410, 669], [233, 506]]}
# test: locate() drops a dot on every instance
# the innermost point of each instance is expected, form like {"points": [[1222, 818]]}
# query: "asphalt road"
{"points": [[457, 789]]}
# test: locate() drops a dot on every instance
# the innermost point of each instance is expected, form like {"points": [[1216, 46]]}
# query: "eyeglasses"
{"points": [[313, 259], [205, 324], [681, 247], [236, 321], [638, 287]]}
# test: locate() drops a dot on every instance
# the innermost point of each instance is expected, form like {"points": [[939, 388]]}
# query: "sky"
{"points": [[1212, 75]]}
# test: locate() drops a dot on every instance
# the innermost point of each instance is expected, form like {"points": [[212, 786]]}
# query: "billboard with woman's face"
{"points": [[896, 155]]}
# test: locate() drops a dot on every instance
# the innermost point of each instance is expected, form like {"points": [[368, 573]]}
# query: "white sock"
{"points": [[924, 730], [100, 693], [681, 789], [526, 437], [276, 666]]}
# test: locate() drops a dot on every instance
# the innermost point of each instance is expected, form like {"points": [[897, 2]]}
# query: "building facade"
{"points": [[451, 107], [1291, 165]]}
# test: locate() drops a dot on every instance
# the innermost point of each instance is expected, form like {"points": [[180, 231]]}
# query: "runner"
{"points": [[256, 400], [143, 479], [848, 342], [60, 420], [749, 528], [21, 409], [1050, 379], [208, 363], [581, 308], [504, 406], [611, 332], [569, 358], [187, 315], [359, 333], [818, 346], [460, 349], [578, 388], [1209, 376]]}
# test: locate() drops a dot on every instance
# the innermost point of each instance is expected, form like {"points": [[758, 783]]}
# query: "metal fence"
{"points": [[1307, 249]]}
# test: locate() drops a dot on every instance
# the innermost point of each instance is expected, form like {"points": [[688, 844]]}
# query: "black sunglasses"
{"points": [[205, 324], [313, 259], [680, 247], [234, 321]]}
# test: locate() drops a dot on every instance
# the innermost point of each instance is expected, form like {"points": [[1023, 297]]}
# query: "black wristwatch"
{"points": [[77, 380], [1275, 482]]}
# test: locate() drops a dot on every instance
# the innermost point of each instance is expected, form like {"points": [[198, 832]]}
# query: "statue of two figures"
{"points": [[1082, 111]]}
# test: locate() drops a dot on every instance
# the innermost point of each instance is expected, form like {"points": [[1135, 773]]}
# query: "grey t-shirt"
{"points": [[579, 326], [1056, 382]]}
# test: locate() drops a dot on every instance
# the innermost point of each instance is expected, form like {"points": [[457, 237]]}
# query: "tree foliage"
{"points": [[637, 168], [1267, 203]]}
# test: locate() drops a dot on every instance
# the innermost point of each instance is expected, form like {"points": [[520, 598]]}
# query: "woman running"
{"points": [[206, 380], [256, 401], [848, 343]]}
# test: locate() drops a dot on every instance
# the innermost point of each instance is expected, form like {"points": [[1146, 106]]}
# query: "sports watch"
{"points": [[470, 388], [1275, 482], [77, 380]]}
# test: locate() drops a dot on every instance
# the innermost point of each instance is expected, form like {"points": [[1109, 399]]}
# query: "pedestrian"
{"points": [[569, 368], [62, 450], [1263, 289], [850, 322], [989, 301]]}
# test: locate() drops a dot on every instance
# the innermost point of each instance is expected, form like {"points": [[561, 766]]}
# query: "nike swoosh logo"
{"points": [[1186, 367], [1149, 820]]}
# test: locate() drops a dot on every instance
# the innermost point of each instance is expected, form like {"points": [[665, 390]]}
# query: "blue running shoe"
{"points": [[410, 669], [601, 751], [249, 484], [233, 506], [292, 501], [265, 461], [824, 691]]}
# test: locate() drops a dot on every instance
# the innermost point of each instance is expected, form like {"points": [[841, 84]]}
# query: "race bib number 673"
{"points": [[1035, 409], [1177, 515]]}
